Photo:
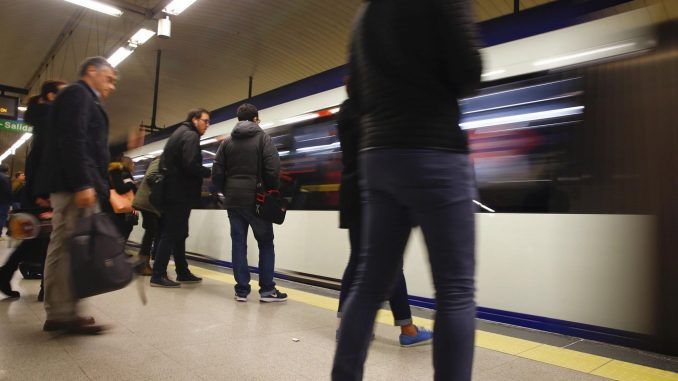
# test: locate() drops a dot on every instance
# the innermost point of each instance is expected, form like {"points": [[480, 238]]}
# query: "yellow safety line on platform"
{"points": [[562, 357]]}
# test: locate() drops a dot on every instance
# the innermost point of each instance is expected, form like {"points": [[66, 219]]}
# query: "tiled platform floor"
{"points": [[199, 332]]}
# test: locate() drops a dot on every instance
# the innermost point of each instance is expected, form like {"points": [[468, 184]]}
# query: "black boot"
{"points": [[5, 287], [41, 294]]}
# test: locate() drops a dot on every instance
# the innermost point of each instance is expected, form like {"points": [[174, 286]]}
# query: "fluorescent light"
{"points": [[319, 148], [16, 146], [97, 6], [522, 117], [493, 72], [209, 152], [208, 141], [283, 153], [582, 54], [299, 118], [119, 56], [177, 6], [141, 36], [23, 108]]}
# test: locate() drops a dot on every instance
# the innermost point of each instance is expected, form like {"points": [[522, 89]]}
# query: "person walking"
{"points": [[350, 212], [243, 160], [76, 163], [181, 163], [409, 64]]}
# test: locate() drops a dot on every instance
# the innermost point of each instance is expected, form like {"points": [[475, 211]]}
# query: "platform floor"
{"points": [[200, 332]]}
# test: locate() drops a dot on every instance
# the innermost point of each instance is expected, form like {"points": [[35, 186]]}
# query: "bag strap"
{"points": [[260, 161]]}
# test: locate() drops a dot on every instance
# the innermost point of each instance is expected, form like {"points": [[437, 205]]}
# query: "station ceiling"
{"points": [[216, 45]]}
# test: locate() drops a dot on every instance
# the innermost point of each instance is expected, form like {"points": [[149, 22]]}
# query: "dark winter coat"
{"points": [[120, 178], [77, 155], [5, 189], [37, 116], [348, 128], [238, 158], [181, 162], [410, 62]]}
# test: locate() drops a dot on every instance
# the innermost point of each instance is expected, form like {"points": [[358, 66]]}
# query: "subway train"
{"points": [[558, 246]]}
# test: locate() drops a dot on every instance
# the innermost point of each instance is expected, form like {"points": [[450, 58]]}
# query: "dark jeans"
{"points": [[151, 225], [173, 234], [4, 214], [240, 220], [400, 307], [402, 188], [33, 250]]}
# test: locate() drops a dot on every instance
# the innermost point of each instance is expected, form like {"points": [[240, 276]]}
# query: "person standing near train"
{"points": [[410, 62]]}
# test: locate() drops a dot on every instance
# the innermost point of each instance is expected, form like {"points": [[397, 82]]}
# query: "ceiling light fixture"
{"points": [[119, 55], [140, 37], [177, 6], [582, 54], [97, 6]]}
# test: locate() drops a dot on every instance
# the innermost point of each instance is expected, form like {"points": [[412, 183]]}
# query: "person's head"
{"points": [[199, 118], [4, 168], [248, 112], [50, 89], [98, 73], [20, 176], [127, 163]]}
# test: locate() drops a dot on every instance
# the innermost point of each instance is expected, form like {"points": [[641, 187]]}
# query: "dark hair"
{"points": [[18, 174], [196, 113], [247, 112], [98, 62], [4, 168], [50, 86]]}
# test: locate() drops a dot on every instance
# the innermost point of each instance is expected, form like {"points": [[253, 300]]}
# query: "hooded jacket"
{"points": [[142, 197], [181, 162], [410, 63], [236, 166]]}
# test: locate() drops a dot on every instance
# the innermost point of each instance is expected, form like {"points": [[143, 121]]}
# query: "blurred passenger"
{"points": [[18, 189], [77, 161], [150, 219], [120, 177], [350, 218], [243, 160], [5, 196], [406, 78], [36, 115], [181, 162]]}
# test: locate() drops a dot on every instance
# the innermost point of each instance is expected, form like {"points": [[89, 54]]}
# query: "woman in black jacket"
{"points": [[36, 115], [120, 177]]}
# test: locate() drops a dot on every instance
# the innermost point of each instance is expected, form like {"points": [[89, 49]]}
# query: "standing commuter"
{"points": [[36, 115], [181, 162], [244, 159], [350, 218], [5, 196], [150, 219], [77, 161], [410, 62]]}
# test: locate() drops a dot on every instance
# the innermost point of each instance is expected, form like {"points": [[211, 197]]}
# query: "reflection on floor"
{"points": [[200, 332]]}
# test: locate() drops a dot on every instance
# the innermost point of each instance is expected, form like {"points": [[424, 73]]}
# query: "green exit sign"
{"points": [[15, 126]]}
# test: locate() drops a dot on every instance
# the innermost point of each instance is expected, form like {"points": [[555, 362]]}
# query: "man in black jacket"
{"points": [[181, 162], [244, 159], [410, 62], [76, 162]]}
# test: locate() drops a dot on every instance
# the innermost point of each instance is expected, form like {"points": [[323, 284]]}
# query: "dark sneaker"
{"points": [[6, 289], [188, 278], [164, 282], [241, 297], [276, 296]]}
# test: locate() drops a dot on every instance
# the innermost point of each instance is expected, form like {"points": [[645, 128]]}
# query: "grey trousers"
{"points": [[60, 300]]}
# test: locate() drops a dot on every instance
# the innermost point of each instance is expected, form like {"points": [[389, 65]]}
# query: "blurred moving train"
{"points": [[558, 247]]}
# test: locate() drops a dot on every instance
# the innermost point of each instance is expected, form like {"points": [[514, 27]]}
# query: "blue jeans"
{"points": [[241, 219], [399, 302], [402, 188]]}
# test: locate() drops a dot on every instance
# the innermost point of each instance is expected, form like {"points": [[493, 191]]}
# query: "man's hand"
{"points": [[85, 198]]}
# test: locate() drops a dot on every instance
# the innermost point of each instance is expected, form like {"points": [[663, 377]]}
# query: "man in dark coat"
{"points": [[76, 162], [181, 162], [244, 159], [410, 63]]}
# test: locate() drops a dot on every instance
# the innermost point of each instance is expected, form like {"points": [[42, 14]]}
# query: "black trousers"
{"points": [[151, 225], [174, 231], [33, 250]]}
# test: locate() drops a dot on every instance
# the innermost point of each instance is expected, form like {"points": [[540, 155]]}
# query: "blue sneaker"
{"points": [[423, 336]]}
